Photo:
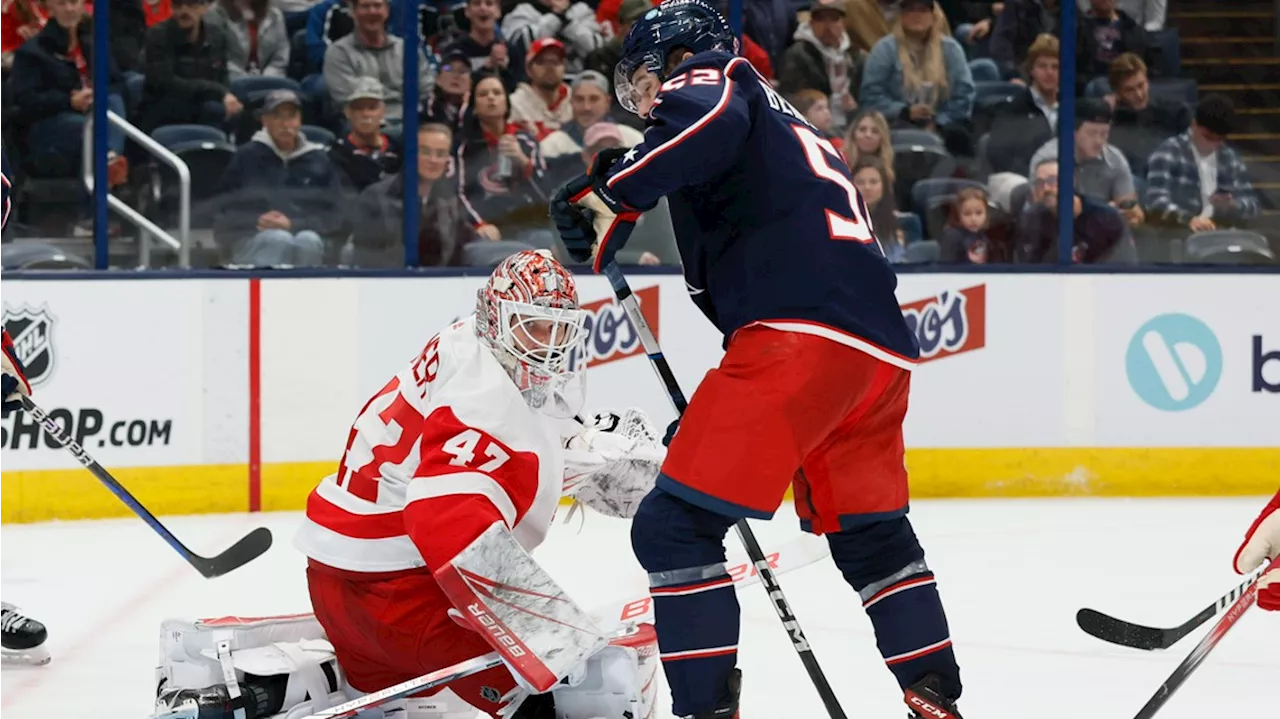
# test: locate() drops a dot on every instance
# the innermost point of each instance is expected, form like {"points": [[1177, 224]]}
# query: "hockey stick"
{"points": [[633, 607], [799, 642], [250, 546], [1137, 636], [1206, 645]]}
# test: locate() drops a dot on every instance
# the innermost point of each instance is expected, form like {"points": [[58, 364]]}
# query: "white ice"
{"points": [[1012, 574]]}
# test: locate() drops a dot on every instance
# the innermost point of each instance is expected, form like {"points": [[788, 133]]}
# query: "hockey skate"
{"points": [[728, 706], [23, 637], [926, 701]]}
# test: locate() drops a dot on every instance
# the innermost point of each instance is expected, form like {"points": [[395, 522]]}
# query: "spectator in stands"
{"points": [[157, 11], [328, 21], [444, 228], [874, 183], [966, 240], [1150, 14], [541, 103], [52, 86], [1141, 122], [500, 169], [447, 104], [868, 21], [366, 154], [815, 108], [822, 58], [868, 136], [187, 71], [573, 23], [1105, 33], [567, 166], [1017, 27], [128, 34], [19, 22], [1196, 180], [281, 196], [1030, 119], [605, 58], [590, 99], [483, 43], [972, 23], [1099, 229], [256, 40], [1102, 173], [918, 77], [370, 51]]}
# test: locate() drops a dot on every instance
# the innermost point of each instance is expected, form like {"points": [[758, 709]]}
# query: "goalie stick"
{"points": [[1206, 645], [1137, 636], [630, 608], [799, 642], [250, 546]]}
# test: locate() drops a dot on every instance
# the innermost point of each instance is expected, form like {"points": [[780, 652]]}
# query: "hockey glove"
{"points": [[1262, 543], [13, 385], [590, 219]]}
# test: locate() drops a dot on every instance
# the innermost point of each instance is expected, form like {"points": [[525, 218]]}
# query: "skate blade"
{"points": [[35, 657]]}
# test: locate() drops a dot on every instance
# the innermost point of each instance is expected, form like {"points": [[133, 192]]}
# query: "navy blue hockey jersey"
{"points": [[768, 222]]}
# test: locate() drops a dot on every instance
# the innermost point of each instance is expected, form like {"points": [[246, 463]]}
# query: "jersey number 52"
{"points": [[821, 153]]}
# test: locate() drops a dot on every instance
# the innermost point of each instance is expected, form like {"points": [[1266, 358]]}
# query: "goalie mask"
{"points": [[528, 314]]}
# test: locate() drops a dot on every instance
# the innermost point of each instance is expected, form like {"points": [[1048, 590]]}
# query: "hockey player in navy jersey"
{"points": [[780, 255]]}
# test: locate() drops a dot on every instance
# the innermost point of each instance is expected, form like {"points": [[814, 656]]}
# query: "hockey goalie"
{"points": [[418, 547]]}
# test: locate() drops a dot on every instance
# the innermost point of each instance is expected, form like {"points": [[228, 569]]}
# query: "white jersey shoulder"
{"points": [[457, 395]]}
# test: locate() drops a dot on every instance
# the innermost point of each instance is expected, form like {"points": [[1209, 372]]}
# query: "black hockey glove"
{"points": [[590, 219], [13, 384]]}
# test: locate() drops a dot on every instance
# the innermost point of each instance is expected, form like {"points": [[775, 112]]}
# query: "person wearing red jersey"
{"points": [[418, 545], [1261, 545]]}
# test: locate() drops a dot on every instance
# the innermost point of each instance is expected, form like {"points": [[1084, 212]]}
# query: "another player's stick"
{"points": [[780, 604], [1206, 645], [250, 547], [632, 608], [1137, 636]]}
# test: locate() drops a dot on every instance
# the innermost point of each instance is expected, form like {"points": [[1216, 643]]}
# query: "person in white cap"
{"points": [[366, 154]]}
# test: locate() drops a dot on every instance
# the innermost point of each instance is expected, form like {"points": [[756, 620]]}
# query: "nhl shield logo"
{"points": [[32, 333]]}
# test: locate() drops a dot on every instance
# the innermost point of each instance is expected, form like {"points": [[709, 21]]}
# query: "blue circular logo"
{"points": [[1174, 362]]}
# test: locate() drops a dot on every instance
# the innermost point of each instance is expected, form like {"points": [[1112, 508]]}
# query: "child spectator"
{"points": [[815, 108], [918, 77], [366, 154], [573, 23], [965, 240], [187, 71], [868, 136], [872, 179]]}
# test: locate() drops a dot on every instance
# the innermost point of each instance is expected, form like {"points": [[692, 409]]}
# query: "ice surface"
{"points": [[1012, 574]]}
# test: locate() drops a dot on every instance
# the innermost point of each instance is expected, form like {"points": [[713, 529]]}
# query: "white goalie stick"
{"points": [[635, 606]]}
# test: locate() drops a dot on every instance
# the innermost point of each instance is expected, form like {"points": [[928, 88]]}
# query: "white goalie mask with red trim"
{"points": [[529, 316]]}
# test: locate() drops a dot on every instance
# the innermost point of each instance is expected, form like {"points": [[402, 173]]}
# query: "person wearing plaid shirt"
{"points": [[1195, 180]]}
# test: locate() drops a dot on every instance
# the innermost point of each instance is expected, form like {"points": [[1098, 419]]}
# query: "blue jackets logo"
{"points": [[1174, 362]]}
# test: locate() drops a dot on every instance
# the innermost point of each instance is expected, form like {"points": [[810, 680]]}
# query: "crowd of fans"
{"points": [[947, 113]]}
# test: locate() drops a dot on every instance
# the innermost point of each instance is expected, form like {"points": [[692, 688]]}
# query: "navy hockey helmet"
{"points": [[691, 24]]}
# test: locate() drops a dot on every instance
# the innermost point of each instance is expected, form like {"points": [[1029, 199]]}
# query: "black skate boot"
{"points": [[927, 702], [23, 637], [727, 708]]}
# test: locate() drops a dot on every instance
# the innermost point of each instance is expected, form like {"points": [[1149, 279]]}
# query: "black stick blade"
{"points": [[1110, 629], [250, 547]]}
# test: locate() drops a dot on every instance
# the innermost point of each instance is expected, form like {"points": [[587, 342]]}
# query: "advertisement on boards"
{"points": [[125, 369], [1184, 361]]}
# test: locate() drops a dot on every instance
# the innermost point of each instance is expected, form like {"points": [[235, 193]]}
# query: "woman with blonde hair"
{"points": [[868, 136], [918, 76], [867, 21]]}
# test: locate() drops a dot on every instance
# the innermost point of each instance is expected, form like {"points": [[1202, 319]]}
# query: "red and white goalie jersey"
{"points": [[446, 448]]}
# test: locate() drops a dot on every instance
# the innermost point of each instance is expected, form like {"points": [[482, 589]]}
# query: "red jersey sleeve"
{"points": [[466, 481]]}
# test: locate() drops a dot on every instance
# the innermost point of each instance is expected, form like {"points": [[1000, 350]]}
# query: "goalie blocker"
{"points": [[283, 668]]}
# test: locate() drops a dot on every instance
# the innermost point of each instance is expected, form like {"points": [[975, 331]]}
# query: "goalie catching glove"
{"points": [[591, 220], [613, 463], [13, 380]]}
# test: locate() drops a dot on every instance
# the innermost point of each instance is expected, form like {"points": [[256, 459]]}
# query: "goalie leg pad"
{"points": [[694, 603], [884, 563], [619, 681]]}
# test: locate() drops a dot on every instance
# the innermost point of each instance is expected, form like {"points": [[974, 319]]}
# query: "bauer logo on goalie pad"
{"points": [[610, 335], [953, 322], [32, 333]]}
